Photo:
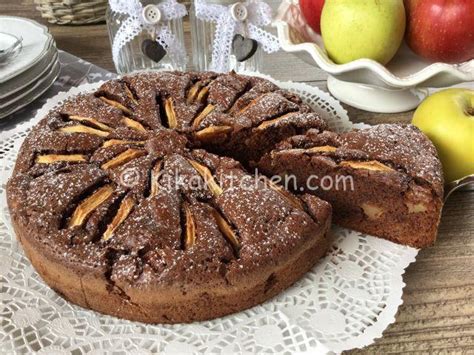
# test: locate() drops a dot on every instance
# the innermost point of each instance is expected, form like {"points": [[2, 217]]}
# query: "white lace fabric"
{"points": [[135, 24], [259, 15], [346, 301]]}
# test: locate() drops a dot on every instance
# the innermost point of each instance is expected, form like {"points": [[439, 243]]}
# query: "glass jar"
{"points": [[132, 56], [202, 35]]}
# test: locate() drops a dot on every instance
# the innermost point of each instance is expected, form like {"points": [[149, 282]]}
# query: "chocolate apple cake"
{"points": [[386, 180], [138, 200], [121, 211]]}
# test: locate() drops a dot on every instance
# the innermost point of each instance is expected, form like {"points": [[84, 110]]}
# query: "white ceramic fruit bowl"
{"points": [[370, 86]]}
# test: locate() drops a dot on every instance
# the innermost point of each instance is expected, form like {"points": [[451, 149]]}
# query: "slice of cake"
{"points": [[385, 181]]}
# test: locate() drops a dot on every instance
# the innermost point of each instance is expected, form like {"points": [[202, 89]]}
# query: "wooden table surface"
{"points": [[438, 310]]}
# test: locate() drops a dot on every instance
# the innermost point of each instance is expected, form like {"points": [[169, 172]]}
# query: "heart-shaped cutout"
{"points": [[243, 48], [153, 50]]}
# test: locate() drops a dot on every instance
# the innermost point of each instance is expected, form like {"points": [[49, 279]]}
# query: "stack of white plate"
{"points": [[33, 70]]}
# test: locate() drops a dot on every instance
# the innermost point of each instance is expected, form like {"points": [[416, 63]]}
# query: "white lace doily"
{"points": [[345, 302]]}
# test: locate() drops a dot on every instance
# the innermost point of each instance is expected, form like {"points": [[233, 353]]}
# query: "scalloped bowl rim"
{"points": [[337, 69]]}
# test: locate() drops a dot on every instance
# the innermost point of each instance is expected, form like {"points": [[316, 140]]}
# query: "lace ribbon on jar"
{"points": [[137, 22], [257, 15]]}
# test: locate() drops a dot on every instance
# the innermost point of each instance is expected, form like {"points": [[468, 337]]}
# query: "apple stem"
{"points": [[470, 111]]}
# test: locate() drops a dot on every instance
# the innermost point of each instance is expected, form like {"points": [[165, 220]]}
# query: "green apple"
{"points": [[355, 29], [447, 118]]}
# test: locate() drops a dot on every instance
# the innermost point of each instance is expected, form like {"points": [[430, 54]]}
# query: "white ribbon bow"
{"points": [[135, 24], [259, 15]]}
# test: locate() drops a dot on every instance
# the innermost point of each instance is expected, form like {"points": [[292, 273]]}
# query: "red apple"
{"points": [[311, 10], [441, 30]]}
